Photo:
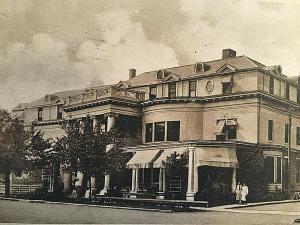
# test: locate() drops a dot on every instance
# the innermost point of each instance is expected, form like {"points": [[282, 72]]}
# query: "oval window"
{"points": [[209, 86]]}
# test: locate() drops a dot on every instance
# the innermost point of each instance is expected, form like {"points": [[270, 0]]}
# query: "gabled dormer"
{"points": [[171, 77], [226, 68], [123, 84]]}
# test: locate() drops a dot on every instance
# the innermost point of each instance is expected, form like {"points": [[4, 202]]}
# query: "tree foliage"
{"points": [[175, 163], [13, 147]]}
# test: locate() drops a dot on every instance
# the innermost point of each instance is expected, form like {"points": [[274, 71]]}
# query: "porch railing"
{"points": [[20, 189]]}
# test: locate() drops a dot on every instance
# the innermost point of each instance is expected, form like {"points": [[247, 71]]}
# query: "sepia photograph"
{"points": [[150, 112]]}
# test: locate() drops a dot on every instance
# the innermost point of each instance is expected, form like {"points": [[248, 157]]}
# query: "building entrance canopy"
{"points": [[216, 156], [143, 159], [167, 153]]}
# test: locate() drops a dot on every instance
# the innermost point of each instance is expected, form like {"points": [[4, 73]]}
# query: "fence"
{"points": [[20, 189]]}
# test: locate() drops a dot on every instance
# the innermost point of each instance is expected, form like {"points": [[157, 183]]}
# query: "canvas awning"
{"points": [[166, 153], [219, 127], [218, 157], [143, 159]]}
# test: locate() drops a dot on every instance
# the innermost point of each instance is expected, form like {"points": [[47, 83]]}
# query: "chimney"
{"points": [[132, 73], [228, 53]]}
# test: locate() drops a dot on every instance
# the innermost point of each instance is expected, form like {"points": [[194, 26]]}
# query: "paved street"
{"points": [[26, 212]]}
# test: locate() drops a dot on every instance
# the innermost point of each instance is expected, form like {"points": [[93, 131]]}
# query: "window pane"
{"points": [[278, 177], [271, 88], [298, 170], [286, 133], [270, 130], [269, 166], [149, 132], [192, 88], [173, 130], [298, 136], [40, 114], [227, 88], [159, 131], [287, 91], [172, 90], [153, 92], [231, 132]]}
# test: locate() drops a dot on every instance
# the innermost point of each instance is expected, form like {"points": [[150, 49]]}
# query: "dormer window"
{"points": [[201, 67], [160, 74], [59, 113]]}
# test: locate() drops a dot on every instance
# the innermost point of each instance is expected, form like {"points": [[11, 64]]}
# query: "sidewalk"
{"points": [[241, 208]]}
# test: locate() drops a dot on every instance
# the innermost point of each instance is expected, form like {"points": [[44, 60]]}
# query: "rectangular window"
{"points": [[298, 136], [173, 130], [172, 90], [269, 166], [287, 91], [159, 131], [40, 114], [59, 113], [149, 132], [271, 88], [270, 130], [192, 88], [226, 88], [286, 133], [153, 92], [297, 170]]}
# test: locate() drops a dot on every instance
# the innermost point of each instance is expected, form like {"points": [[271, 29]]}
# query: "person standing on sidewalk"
{"points": [[238, 193], [244, 193]]}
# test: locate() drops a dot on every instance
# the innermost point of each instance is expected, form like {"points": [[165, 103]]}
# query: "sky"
{"points": [[49, 46]]}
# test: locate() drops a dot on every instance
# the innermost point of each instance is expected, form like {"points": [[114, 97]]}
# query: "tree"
{"points": [[13, 147], [83, 149]]}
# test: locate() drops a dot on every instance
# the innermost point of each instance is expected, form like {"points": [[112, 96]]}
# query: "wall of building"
{"points": [[189, 115], [51, 131], [245, 111]]}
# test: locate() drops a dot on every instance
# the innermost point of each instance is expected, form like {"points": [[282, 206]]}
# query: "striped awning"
{"points": [[217, 157], [166, 153], [143, 159]]}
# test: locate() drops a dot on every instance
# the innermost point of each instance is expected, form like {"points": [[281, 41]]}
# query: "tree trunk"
{"points": [[7, 184]]}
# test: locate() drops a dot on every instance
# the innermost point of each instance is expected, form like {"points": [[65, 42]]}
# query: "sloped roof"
{"points": [[239, 62]]}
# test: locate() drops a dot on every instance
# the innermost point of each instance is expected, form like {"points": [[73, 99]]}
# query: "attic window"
{"points": [[160, 74], [201, 67]]}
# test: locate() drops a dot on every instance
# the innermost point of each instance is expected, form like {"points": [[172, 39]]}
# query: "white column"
{"points": [[164, 179], [190, 188], [133, 180], [79, 176], [137, 180], [67, 182], [81, 125], [10, 182], [195, 190], [160, 180], [95, 122], [233, 183], [93, 183]]}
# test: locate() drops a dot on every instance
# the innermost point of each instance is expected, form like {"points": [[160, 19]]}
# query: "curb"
{"points": [[260, 204], [88, 205]]}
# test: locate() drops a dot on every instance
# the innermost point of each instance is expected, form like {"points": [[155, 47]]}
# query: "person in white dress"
{"points": [[238, 192], [244, 193]]}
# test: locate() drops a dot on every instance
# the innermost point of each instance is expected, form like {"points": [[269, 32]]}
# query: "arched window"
{"points": [[201, 67], [160, 74]]}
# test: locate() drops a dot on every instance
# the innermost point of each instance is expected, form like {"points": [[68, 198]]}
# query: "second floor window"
{"points": [[298, 136], [40, 114], [153, 92], [172, 90], [192, 88], [271, 88], [270, 130], [149, 132], [173, 130]]}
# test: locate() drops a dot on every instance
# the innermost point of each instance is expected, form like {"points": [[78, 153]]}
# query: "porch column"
{"points": [[161, 184], [190, 188], [95, 122], [81, 125], [133, 185], [93, 183], [111, 119], [137, 180], [67, 182], [233, 183], [195, 188]]}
